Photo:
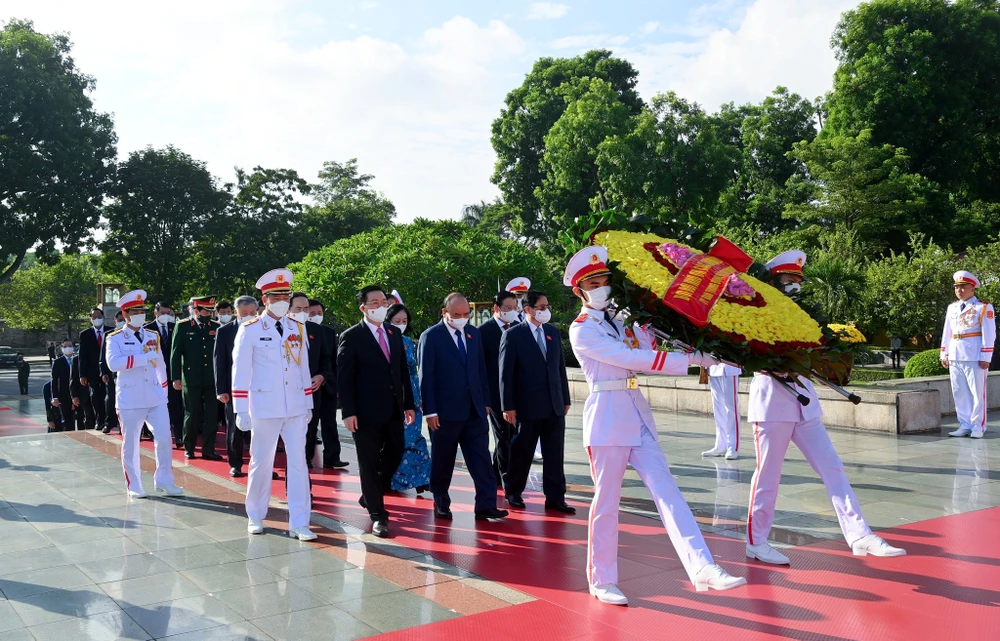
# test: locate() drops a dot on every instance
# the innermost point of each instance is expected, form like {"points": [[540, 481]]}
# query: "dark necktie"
{"points": [[611, 322], [461, 345], [540, 339], [961, 307], [277, 326], [506, 326]]}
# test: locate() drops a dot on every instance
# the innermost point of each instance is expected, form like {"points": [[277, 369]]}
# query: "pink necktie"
{"points": [[384, 345]]}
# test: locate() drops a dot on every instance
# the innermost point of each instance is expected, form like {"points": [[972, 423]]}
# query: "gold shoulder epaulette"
{"points": [[117, 331], [251, 322]]}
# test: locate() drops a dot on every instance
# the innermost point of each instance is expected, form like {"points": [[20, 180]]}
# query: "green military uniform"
{"points": [[191, 362]]}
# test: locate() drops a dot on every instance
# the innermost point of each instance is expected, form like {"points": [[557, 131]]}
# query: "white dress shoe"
{"points": [[876, 546], [303, 534], [714, 452], [609, 593], [976, 434], [764, 552], [732, 455], [960, 432], [255, 527], [132, 494], [715, 578], [169, 490]]}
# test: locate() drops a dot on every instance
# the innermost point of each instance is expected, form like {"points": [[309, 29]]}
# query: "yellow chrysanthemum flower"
{"points": [[848, 333]]}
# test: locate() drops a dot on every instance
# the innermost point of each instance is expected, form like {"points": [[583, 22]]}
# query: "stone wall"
{"points": [[943, 386], [34, 340]]}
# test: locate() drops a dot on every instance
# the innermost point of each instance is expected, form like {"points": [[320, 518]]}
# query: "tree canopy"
{"points": [[46, 295]]}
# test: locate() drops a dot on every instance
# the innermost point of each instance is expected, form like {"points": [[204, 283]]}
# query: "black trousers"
{"points": [[328, 427], [552, 433], [111, 407], [97, 412], [72, 419], [503, 432], [313, 427], [473, 436], [200, 413], [236, 439], [380, 449], [897, 357], [22, 383], [175, 408]]}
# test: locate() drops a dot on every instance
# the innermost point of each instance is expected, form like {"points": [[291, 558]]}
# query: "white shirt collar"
{"points": [[373, 328]]}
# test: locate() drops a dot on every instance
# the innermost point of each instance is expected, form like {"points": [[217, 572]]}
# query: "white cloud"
{"points": [[649, 28], [547, 11], [368, 4], [588, 41], [236, 86], [777, 42]]}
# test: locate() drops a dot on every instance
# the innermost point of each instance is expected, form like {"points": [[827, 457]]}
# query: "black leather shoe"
{"points": [[441, 513], [106, 430], [336, 464], [211, 456], [188, 454], [235, 472], [515, 501], [494, 513], [380, 529], [561, 506], [274, 476]]}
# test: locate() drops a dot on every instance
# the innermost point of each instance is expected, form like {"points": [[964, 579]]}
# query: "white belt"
{"points": [[615, 386]]}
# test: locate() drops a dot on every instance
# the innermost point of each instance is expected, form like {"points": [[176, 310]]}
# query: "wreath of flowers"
{"points": [[848, 333]]}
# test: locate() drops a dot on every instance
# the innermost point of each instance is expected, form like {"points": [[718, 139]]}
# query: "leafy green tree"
{"points": [[162, 203], [984, 262], [44, 296], [346, 204], [56, 151], [763, 135], [924, 75], [425, 261], [836, 278], [529, 113], [259, 230], [858, 185], [494, 218]]}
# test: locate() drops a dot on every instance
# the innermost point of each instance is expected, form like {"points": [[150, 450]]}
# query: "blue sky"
{"points": [[409, 88]]}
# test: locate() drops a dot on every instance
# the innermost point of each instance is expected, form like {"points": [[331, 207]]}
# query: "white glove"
{"points": [[702, 359], [243, 421]]}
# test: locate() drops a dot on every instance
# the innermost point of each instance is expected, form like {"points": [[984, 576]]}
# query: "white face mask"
{"points": [[318, 319], [119, 324], [97, 322], [598, 298], [300, 316], [246, 318], [68, 351], [543, 316], [791, 288], [164, 319], [225, 318], [400, 326], [457, 323], [137, 320], [509, 317], [376, 315], [278, 308]]}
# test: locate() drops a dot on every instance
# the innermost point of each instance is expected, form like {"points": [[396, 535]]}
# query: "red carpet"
{"points": [[947, 587]]}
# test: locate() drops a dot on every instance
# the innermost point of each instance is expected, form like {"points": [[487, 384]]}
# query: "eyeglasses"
{"points": [[383, 303]]}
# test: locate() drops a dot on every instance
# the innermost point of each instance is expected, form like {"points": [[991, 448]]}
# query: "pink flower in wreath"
{"points": [[738, 287], [678, 254]]}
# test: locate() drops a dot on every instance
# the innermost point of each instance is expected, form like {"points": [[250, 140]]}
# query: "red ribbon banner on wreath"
{"points": [[703, 278]]}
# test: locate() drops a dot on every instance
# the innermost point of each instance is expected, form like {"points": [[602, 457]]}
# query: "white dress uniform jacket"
{"points": [[721, 369], [267, 380], [969, 333], [770, 401], [616, 417], [138, 360]]}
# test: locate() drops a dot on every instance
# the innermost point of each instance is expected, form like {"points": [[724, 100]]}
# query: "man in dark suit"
{"points": [[246, 309], [91, 344], [504, 317], [455, 393], [320, 360], [108, 378], [328, 407], [535, 394], [376, 398], [66, 387], [52, 414], [163, 324], [192, 371]]}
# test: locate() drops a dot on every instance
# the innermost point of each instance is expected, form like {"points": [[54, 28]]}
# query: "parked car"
{"points": [[8, 356]]}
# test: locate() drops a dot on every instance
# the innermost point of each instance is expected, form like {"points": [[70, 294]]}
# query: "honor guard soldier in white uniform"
{"points": [[970, 330], [135, 355], [272, 396], [519, 287], [618, 430], [725, 383], [778, 419]]}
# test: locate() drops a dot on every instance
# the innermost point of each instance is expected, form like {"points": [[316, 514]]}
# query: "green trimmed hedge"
{"points": [[859, 375], [926, 363]]}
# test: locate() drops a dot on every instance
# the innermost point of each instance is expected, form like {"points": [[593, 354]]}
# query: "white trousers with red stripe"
{"points": [[607, 466], [131, 425], [263, 445], [968, 386], [726, 406], [771, 440]]}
